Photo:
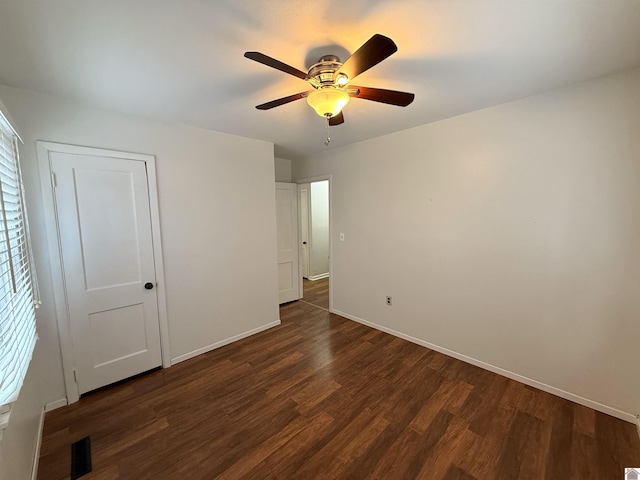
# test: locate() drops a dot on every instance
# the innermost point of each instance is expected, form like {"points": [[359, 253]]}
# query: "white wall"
{"points": [[18, 445], [215, 193], [319, 201], [282, 168], [510, 235]]}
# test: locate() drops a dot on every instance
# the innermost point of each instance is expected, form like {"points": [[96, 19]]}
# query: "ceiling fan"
{"points": [[331, 79]]}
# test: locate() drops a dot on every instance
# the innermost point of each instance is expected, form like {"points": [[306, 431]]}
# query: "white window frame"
{"points": [[18, 288]]}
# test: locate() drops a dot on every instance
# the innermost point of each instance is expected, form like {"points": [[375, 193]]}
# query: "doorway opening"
{"points": [[315, 240], [316, 292]]}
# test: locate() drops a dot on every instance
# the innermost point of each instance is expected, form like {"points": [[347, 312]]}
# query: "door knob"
{"points": [[304, 243], [148, 285]]}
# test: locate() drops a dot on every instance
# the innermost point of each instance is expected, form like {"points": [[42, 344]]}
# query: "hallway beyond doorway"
{"points": [[316, 292]]}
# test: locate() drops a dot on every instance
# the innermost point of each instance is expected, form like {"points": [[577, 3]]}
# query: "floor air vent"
{"points": [[80, 458]]}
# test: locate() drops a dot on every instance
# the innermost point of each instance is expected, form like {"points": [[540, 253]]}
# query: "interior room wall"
{"points": [[282, 169], [19, 441], [319, 196], [510, 235], [215, 192]]}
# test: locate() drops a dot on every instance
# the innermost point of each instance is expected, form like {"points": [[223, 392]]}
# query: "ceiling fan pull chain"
{"points": [[328, 140]]}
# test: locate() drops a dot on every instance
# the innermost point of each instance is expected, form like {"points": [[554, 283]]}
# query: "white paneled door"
{"points": [[287, 226], [303, 190], [104, 227]]}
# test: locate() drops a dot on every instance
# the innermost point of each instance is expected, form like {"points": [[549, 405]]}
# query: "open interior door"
{"points": [[288, 251]]}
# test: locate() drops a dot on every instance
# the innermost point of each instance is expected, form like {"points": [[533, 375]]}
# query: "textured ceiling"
{"points": [[182, 61]]}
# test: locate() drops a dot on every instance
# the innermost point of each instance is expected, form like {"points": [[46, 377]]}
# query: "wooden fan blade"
{"points": [[277, 64], [376, 49], [282, 101], [336, 119], [392, 97]]}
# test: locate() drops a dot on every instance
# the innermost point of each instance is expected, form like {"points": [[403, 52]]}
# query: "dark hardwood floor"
{"points": [[323, 397], [316, 292]]}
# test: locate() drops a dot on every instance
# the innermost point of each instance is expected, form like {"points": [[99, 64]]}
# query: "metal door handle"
{"points": [[148, 285], [304, 243]]}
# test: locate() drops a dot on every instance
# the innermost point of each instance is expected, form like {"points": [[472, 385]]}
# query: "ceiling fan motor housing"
{"points": [[321, 74]]}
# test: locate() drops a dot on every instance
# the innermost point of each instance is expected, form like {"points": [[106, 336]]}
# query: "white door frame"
{"points": [[320, 178], [44, 149]]}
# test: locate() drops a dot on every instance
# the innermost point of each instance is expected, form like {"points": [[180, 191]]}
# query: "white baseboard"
{"points": [[36, 454], [318, 277], [629, 417], [222, 343], [62, 402], [638, 424]]}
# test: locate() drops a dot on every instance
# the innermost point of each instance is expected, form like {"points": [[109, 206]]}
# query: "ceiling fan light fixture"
{"points": [[342, 80], [328, 101]]}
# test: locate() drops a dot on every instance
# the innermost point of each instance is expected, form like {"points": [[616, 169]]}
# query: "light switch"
{"points": [[342, 237]]}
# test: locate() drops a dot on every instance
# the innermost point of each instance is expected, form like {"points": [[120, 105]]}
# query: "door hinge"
{"points": [[75, 376], [54, 182]]}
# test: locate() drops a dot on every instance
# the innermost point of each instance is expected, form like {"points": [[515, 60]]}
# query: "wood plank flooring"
{"points": [[316, 292], [322, 397]]}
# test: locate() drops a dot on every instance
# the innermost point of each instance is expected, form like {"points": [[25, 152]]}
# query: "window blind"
{"points": [[18, 290]]}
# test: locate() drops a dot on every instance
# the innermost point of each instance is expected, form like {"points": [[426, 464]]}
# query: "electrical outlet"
{"points": [[389, 300]]}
